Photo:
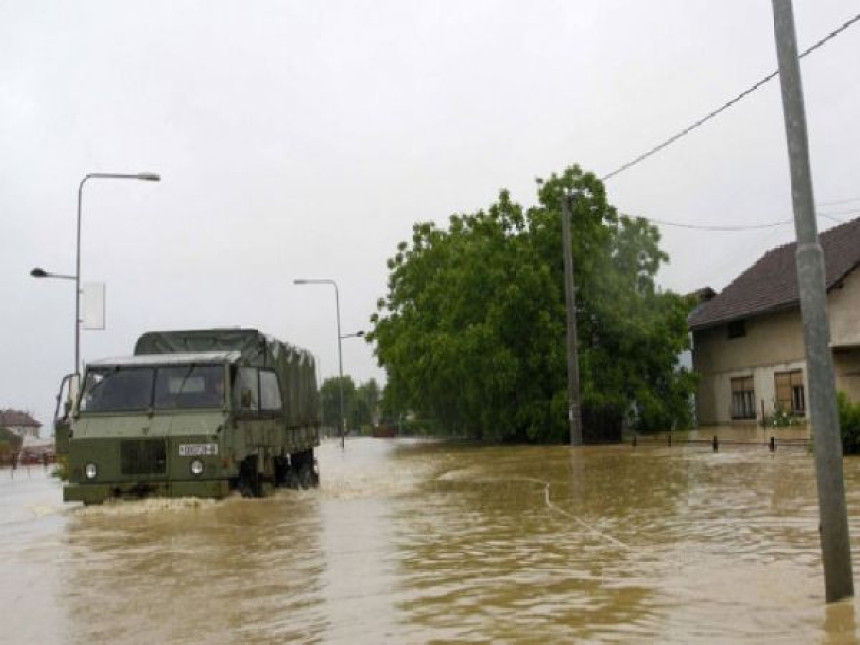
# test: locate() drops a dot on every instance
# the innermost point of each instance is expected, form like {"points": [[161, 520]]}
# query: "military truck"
{"points": [[194, 413]]}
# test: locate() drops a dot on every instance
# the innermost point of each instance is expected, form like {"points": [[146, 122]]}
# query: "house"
{"points": [[21, 423], [748, 345]]}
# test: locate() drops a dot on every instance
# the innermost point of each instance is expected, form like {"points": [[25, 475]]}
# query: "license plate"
{"points": [[197, 449]]}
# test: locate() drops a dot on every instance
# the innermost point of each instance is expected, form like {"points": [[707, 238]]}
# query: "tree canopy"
{"points": [[360, 403], [472, 330]]}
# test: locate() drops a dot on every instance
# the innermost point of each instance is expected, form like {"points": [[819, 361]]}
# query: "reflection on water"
{"points": [[410, 541]]}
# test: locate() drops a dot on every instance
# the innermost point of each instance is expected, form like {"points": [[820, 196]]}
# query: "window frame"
{"points": [[270, 411], [743, 398], [796, 390], [106, 373], [736, 329]]}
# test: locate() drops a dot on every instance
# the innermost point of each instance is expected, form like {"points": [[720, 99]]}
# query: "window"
{"points": [[270, 393], [189, 386], [117, 389], [790, 394], [737, 329], [743, 398], [246, 389]]}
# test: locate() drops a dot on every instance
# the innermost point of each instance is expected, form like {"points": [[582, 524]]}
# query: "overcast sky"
{"points": [[303, 139]]}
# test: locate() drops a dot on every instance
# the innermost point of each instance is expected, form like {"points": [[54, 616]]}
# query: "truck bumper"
{"points": [[98, 493]]}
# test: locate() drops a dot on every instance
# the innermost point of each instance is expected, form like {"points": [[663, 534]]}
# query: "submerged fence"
{"points": [[716, 442]]}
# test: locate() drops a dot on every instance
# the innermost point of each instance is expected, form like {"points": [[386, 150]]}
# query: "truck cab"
{"points": [[185, 423]]}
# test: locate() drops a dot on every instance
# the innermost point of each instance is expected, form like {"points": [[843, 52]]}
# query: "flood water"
{"points": [[410, 541]]}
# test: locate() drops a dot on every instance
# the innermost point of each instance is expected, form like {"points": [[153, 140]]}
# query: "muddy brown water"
{"points": [[413, 541]]}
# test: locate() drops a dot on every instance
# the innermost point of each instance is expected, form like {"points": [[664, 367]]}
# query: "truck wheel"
{"points": [[282, 469], [249, 479], [306, 475]]}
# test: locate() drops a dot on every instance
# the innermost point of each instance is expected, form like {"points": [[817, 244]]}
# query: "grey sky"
{"points": [[303, 139]]}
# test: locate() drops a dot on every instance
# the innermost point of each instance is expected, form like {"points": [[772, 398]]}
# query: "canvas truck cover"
{"points": [[296, 367]]}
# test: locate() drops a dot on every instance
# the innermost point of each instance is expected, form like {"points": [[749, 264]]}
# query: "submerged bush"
{"points": [[849, 421]]}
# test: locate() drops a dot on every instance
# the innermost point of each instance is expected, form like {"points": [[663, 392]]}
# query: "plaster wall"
{"points": [[843, 310], [773, 343]]}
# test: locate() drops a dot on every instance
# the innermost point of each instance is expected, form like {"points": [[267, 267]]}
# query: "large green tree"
{"points": [[472, 330]]}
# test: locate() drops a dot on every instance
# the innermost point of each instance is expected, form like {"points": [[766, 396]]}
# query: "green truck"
{"points": [[196, 413]]}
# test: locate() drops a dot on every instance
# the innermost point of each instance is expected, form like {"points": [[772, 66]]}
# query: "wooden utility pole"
{"points": [[574, 414], [835, 543]]}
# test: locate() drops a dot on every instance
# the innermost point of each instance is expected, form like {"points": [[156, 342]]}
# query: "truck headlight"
{"points": [[196, 467], [91, 470]]}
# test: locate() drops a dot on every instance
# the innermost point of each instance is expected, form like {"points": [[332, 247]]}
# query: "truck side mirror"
{"points": [[74, 394]]}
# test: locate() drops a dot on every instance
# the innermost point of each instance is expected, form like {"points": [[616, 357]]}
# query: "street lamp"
{"points": [[141, 176], [339, 349], [38, 272]]}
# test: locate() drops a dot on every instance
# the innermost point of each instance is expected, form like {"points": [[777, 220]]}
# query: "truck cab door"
{"points": [[66, 401]]}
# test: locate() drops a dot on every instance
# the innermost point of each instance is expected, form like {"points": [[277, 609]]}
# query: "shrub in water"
{"points": [[849, 420]]}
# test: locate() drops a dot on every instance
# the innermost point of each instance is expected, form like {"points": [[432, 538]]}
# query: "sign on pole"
{"points": [[93, 300]]}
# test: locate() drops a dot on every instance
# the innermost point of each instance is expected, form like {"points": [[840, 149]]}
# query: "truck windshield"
{"points": [[118, 389], [189, 386]]}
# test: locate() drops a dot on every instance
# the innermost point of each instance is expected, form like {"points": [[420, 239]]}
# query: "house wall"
{"points": [[843, 310], [25, 431], [774, 343], [847, 366]]}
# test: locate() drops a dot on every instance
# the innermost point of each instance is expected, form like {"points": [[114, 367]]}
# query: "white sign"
{"points": [[197, 449], [93, 305]]}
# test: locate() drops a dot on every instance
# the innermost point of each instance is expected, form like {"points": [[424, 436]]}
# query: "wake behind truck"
{"points": [[193, 413]]}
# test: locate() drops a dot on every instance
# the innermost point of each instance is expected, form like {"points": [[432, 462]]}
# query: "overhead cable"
{"points": [[734, 227], [839, 202], [726, 105], [719, 227]]}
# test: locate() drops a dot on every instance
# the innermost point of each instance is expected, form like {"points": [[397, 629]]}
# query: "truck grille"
{"points": [[143, 456]]}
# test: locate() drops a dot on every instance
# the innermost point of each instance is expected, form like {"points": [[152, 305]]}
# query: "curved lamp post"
{"points": [[339, 348], [41, 273]]}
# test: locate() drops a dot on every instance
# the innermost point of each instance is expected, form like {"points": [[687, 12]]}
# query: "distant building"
{"points": [[21, 423], [748, 347]]}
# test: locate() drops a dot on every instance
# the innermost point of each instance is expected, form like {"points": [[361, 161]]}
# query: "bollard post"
{"points": [[716, 444], [773, 444]]}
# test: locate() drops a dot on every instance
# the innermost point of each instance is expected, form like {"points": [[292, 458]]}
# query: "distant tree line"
{"points": [[361, 403], [471, 332]]}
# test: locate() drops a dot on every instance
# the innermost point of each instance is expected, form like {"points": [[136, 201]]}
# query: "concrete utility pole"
{"points": [[835, 543], [574, 414]]}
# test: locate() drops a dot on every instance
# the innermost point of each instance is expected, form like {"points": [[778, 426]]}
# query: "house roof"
{"points": [[771, 283], [17, 419]]}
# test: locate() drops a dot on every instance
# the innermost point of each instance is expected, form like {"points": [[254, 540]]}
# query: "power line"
{"points": [[850, 211], [840, 202], [831, 218], [707, 271], [735, 227], [720, 227], [726, 105]]}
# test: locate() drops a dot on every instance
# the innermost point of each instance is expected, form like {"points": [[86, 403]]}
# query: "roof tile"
{"points": [[16, 418], [771, 283]]}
